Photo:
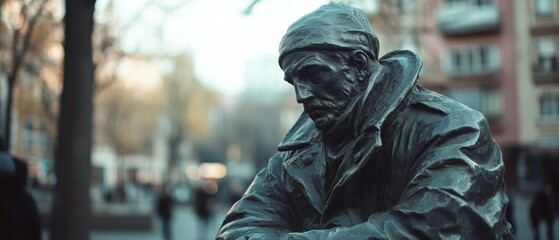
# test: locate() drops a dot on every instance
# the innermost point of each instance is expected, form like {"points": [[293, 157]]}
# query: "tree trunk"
{"points": [[71, 211], [6, 128]]}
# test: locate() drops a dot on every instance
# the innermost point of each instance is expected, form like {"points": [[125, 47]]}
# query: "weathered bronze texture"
{"points": [[374, 155]]}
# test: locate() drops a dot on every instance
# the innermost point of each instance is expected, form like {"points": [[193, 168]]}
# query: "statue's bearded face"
{"points": [[324, 84]]}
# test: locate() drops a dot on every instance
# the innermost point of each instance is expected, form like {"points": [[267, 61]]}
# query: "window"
{"points": [[492, 106], [35, 139], [473, 60], [544, 7], [547, 55], [487, 101], [549, 108], [483, 2], [469, 97], [28, 134], [469, 2], [41, 140]]}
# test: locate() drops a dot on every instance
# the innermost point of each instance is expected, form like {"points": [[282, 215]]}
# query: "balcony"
{"points": [[463, 19], [546, 77], [546, 70]]}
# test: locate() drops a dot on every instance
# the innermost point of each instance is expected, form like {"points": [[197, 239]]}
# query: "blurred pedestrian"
{"points": [[164, 211], [543, 206], [120, 195], [542, 209], [19, 215], [202, 198]]}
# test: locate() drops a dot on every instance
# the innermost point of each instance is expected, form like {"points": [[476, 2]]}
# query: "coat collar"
{"points": [[390, 82]]}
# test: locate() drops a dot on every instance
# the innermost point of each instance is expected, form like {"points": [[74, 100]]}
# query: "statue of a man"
{"points": [[374, 155]]}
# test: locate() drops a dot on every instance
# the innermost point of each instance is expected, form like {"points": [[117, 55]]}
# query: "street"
{"points": [[185, 225]]}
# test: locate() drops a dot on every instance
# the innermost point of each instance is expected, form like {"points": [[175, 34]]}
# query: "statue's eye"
{"points": [[314, 75]]}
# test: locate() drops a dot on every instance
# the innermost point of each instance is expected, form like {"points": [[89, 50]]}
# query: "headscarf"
{"points": [[331, 27]]}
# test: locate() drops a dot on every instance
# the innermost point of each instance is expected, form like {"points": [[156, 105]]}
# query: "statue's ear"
{"points": [[361, 62]]}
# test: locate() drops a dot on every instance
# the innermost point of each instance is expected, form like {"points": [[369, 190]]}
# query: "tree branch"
{"points": [[248, 9], [19, 56]]}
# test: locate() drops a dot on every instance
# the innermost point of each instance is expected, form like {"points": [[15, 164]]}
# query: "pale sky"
{"points": [[220, 38]]}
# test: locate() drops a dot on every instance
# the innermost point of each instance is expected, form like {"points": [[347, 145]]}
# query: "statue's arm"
{"points": [[262, 212], [456, 190]]}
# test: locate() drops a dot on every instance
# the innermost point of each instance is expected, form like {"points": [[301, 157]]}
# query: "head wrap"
{"points": [[330, 27]]}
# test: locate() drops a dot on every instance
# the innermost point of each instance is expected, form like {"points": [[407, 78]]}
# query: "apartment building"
{"points": [[477, 58], [537, 34]]}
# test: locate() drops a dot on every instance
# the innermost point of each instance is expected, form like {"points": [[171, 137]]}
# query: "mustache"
{"points": [[313, 106]]}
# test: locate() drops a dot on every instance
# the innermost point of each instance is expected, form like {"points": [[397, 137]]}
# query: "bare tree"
{"points": [[188, 104], [126, 121], [31, 12], [107, 55], [176, 87], [71, 207]]}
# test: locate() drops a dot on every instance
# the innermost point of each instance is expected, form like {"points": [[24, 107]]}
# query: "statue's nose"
{"points": [[302, 91]]}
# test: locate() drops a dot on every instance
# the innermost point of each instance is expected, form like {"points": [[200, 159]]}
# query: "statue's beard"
{"points": [[326, 114], [331, 113], [325, 123]]}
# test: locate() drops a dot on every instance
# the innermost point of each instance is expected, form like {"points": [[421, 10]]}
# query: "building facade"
{"points": [[477, 58], [537, 34], [33, 125]]}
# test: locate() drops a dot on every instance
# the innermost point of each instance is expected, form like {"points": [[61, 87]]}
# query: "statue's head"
{"points": [[327, 56]]}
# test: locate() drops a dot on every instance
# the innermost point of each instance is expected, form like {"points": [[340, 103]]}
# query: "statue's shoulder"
{"points": [[427, 99], [431, 109]]}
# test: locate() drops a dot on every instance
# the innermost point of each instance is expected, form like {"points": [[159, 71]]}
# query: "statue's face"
{"points": [[324, 86]]}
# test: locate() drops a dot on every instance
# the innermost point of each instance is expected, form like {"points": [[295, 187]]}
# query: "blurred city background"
{"points": [[188, 98]]}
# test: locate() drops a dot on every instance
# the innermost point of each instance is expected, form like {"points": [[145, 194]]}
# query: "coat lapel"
{"points": [[307, 168], [307, 165]]}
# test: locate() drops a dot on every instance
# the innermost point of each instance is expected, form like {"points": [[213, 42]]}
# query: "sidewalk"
{"points": [[185, 226]]}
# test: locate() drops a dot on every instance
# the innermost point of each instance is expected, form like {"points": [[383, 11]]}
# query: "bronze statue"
{"points": [[374, 155]]}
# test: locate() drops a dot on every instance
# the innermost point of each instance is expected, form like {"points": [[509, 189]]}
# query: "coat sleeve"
{"points": [[262, 212], [455, 189]]}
